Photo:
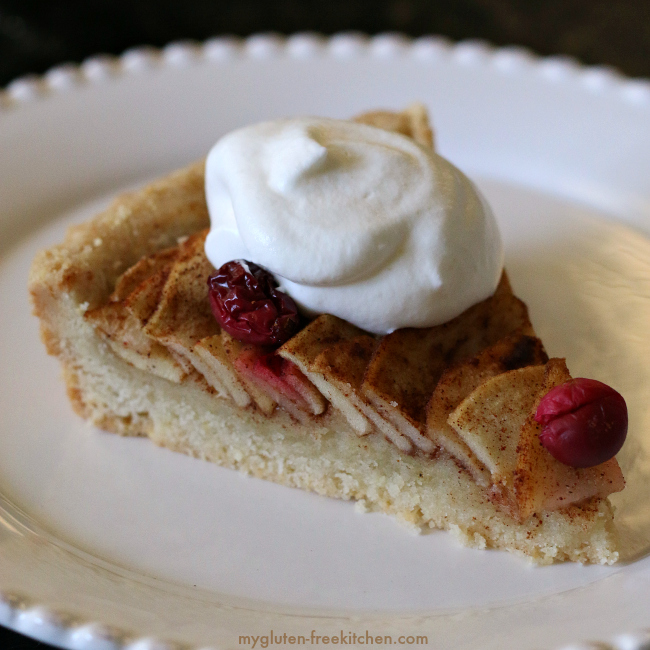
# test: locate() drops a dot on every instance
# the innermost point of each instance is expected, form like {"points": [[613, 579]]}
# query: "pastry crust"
{"points": [[323, 454]]}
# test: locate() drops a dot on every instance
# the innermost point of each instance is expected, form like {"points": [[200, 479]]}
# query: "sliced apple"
{"points": [[542, 483], [338, 373], [183, 317], [490, 418], [496, 421], [279, 379], [408, 363], [121, 321], [457, 382]]}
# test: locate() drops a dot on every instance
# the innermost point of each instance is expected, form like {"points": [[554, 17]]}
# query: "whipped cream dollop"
{"points": [[353, 220]]}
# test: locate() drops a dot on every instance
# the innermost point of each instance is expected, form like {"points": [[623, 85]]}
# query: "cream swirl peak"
{"points": [[353, 220]]}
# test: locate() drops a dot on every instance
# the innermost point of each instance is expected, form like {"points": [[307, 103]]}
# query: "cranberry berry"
{"points": [[584, 422], [246, 303]]}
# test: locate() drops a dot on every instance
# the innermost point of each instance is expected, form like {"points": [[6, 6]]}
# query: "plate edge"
{"points": [[45, 624], [507, 60]]}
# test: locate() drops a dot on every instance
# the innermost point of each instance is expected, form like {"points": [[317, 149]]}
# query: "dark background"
{"points": [[35, 35]]}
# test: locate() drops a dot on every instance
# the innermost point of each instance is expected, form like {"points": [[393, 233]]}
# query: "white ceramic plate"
{"points": [[108, 543]]}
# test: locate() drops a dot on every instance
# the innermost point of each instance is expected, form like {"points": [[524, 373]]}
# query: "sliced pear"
{"points": [[322, 333], [133, 277]]}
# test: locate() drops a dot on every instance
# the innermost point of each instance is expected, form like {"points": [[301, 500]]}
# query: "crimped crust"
{"points": [[324, 455]]}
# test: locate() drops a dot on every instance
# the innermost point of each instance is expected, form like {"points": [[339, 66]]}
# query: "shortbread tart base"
{"points": [[324, 455]]}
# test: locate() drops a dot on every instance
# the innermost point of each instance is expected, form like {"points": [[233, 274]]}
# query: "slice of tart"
{"points": [[435, 426]]}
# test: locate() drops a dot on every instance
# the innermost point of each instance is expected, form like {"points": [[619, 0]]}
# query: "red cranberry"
{"points": [[584, 422], [246, 303]]}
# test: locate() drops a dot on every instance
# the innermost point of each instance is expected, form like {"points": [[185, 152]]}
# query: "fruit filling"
{"points": [[482, 369]]}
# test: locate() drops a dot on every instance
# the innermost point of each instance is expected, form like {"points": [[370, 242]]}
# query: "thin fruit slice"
{"points": [[457, 382], [331, 375], [408, 363], [497, 422], [280, 380], [183, 317], [141, 271], [490, 418], [121, 321], [542, 483], [211, 360], [322, 333], [338, 373]]}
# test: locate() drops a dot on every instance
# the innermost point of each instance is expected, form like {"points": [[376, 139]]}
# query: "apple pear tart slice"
{"points": [[435, 426]]}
